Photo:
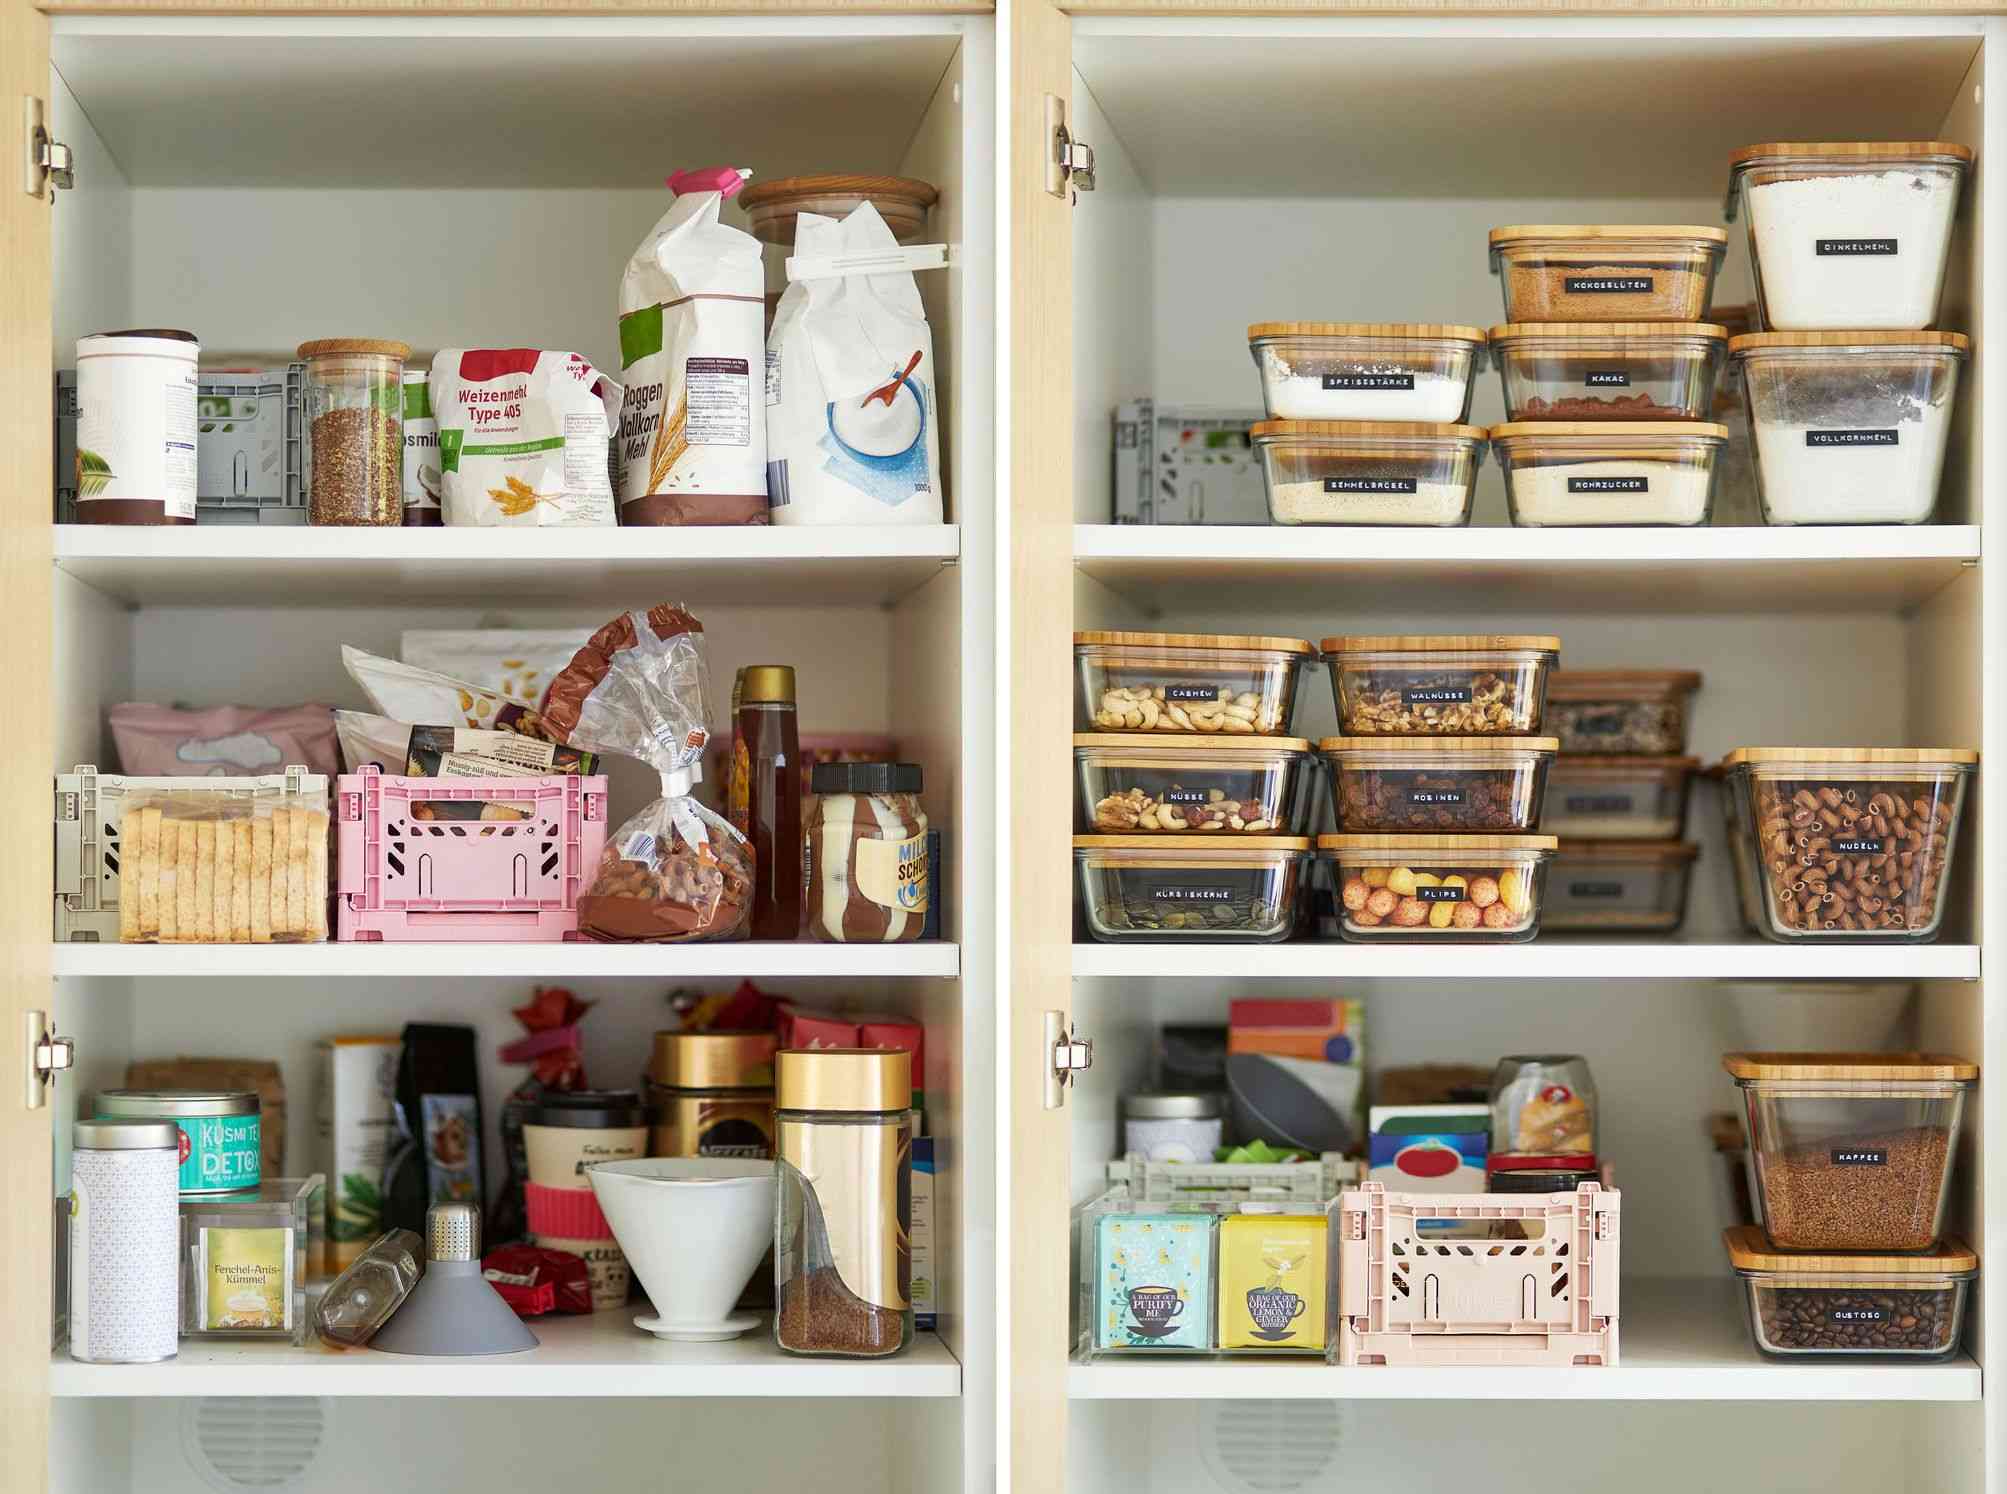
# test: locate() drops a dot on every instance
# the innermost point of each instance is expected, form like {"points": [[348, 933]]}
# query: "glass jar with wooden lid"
{"points": [[355, 430]]}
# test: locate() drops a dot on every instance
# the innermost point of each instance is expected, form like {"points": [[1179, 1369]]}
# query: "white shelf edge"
{"points": [[1552, 958], [527, 961], [601, 1355]]}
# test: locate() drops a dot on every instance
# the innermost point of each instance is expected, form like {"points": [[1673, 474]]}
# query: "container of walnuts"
{"points": [[1457, 684], [1449, 888]]}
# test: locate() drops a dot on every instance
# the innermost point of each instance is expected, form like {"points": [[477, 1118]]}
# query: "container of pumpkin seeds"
{"points": [[1190, 888]]}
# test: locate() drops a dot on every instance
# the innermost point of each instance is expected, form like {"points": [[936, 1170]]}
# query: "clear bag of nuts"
{"points": [[1851, 842], [1459, 684], [1208, 684]]}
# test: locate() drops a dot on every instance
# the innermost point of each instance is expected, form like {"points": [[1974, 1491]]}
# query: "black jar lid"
{"points": [[596, 1109], [864, 778]]}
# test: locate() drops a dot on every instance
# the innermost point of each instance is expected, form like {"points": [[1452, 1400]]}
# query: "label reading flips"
{"points": [[1849, 247], [1439, 894]]}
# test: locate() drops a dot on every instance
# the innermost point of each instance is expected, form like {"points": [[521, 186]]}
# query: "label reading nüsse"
{"points": [[1369, 484], [1607, 285], [1607, 378], [1852, 438], [1369, 381], [1186, 796], [1609, 484], [1860, 1156], [1849, 247]]}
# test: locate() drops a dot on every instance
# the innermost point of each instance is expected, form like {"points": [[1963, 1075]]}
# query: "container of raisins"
{"points": [[1871, 1306]]}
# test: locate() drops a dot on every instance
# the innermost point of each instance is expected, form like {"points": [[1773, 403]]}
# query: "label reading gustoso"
{"points": [[1369, 484], [1369, 381], [1841, 1316], [1607, 285], [1852, 438], [1860, 1156], [1609, 484], [1853, 246]]}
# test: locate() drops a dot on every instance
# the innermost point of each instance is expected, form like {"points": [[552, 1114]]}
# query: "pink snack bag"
{"points": [[224, 741]]}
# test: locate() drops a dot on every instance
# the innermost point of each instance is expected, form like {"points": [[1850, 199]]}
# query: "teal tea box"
{"points": [[219, 1132], [1154, 1282]]}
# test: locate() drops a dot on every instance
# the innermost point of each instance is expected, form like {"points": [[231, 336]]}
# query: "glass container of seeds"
{"points": [[1876, 1306], [1852, 1151], [1171, 889], [355, 430]]}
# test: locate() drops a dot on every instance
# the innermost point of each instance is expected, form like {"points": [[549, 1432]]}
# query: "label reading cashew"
{"points": [[893, 873], [1191, 692]]}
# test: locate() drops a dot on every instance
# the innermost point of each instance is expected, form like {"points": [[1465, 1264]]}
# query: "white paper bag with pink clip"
{"points": [[853, 421]]}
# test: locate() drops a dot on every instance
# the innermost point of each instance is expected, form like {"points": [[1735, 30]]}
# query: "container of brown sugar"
{"points": [[1600, 272], [1852, 1150]]}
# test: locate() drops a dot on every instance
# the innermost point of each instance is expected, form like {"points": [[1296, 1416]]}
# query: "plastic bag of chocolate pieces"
{"points": [[534, 1280], [675, 871]]}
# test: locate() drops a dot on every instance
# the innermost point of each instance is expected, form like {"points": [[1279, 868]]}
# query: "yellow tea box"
{"points": [[1273, 1275], [246, 1280]]}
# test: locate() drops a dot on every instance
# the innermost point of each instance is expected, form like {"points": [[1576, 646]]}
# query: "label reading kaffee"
{"points": [[893, 873], [1860, 1156]]}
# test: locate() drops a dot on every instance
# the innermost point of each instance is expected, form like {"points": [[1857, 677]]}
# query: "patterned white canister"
{"points": [[125, 1241]]}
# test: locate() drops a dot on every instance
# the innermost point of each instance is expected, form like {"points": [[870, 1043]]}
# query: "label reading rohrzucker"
{"points": [[1369, 381], [1369, 485], [1852, 438], [1609, 484], [1607, 285], [1853, 246], [1860, 1156]]}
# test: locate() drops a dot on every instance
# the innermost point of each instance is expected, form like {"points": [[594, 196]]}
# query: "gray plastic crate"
{"points": [[1179, 464], [250, 447]]}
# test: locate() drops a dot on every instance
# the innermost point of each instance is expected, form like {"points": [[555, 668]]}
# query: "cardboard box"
{"points": [[1329, 1030], [1274, 1283], [354, 1122], [1429, 1148]]}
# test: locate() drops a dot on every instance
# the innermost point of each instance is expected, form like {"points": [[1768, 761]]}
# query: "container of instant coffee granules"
{"points": [[1852, 1150], [711, 1094], [1893, 1306], [844, 1137]]}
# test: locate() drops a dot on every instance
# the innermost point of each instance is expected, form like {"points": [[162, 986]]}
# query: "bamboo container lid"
{"points": [[1191, 641], [1363, 430], [1457, 843], [1437, 331], [1437, 643], [1749, 1249], [1857, 1066]]}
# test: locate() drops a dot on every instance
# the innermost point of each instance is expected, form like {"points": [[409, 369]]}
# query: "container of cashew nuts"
{"points": [[1414, 784], [1143, 783], [1456, 684], [1190, 888], [1199, 683], [1852, 843], [1476, 889]]}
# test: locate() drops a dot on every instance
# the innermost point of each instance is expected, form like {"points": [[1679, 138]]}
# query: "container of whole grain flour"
{"points": [[692, 446], [136, 459], [1848, 234]]}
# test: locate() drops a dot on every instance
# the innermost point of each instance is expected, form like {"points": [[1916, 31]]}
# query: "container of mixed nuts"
{"points": [[1448, 888], [1880, 1306], [1422, 784], [1171, 889], [1458, 684], [1619, 886], [1852, 843], [1600, 272], [1141, 783], [1610, 711], [1852, 1150], [355, 430], [1619, 798], [1201, 683]]}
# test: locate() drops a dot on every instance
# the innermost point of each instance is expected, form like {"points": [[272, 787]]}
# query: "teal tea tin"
{"points": [[220, 1134]]}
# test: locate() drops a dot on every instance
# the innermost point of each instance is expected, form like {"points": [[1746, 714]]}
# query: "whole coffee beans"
{"points": [[1852, 1320]]}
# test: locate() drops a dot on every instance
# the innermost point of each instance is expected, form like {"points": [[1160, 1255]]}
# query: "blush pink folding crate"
{"points": [[407, 877], [1408, 1294]]}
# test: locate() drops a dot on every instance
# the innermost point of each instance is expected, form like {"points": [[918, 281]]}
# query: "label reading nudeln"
{"points": [[1370, 484], [1853, 846], [1369, 381], [1860, 1156]]}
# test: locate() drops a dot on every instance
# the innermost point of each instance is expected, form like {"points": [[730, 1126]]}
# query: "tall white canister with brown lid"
{"points": [[136, 427]]}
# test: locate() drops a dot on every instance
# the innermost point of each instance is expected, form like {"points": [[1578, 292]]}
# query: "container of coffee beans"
{"points": [[1852, 1150], [1902, 1306]]}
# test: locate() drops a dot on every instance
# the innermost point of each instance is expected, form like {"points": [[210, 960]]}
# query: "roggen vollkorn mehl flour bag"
{"points": [[523, 438], [852, 417], [693, 433]]}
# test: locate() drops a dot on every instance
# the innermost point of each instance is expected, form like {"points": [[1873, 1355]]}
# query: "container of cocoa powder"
{"points": [[1852, 1151], [1887, 1306], [1609, 370]]}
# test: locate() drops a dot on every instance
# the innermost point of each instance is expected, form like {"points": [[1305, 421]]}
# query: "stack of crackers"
{"points": [[200, 878]]}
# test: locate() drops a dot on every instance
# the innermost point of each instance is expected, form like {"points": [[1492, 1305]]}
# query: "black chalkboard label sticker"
{"points": [[1607, 378], [1595, 889], [1184, 693], [1439, 894], [1609, 484], [1842, 1317], [1607, 285], [1852, 438], [1435, 796], [1186, 796], [1599, 803], [1193, 894], [1369, 381], [1608, 724], [1852, 847], [1370, 485], [1428, 695], [1860, 1156], [1850, 248]]}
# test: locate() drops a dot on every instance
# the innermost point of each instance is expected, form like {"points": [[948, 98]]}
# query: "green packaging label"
{"points": [[219, 1153]]}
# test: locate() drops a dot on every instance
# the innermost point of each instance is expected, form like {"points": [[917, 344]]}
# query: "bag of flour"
{"points": [[523, 438], [693, 433], [852, 434]]}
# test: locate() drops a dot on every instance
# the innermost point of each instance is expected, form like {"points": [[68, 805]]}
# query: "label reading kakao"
{"points": [[1609, 484], [1854, 846], [1607, 285], [1439, 894], [1370, 484], [1186, 796], [1853, 438], [1183, 694], [1852, 247], [1595, 889], [1435, 796], [1841, 1316], [1369, 381], [1599, 803], [1607, 378], [1193, 894], [1860, 1156], [1427, 695]]}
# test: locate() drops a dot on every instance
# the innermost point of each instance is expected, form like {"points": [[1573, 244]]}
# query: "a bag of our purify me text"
{"points": [[693, 432]]}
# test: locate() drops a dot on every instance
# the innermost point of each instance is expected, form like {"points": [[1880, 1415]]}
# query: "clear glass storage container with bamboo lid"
{"points": [[355, 430], [1607, 272], [771, 207], [1619, 886], [1477, 889], [1447, 684], [1190, 888], [1367, 371], [1619, 797], [1438, 783], [1203, 683], [1385, 472], [1613, 711], [1146, 783], [1609, 370], [1613, 472], [1823, 1304]]}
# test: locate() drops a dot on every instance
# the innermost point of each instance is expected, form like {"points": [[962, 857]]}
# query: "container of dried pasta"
{"points": [[1600, 272], [1619, 798], [1872, 1306], [1619, 886], [1480, 889], [1852, 843], [1145, 783], [1611, 711], [1190, 889], [1212, 684], [1451, 684]]}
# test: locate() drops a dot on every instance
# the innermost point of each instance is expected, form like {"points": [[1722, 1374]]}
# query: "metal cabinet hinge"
{"points": [[48, 1055], [49, 163], [1069, 163], [1068, 1054]]}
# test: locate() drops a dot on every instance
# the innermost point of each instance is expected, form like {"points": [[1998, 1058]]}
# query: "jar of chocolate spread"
{"points": [[867, 853]]}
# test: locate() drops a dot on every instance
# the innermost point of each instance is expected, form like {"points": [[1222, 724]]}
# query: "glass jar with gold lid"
{"points": [[711, 1094], [842, 1256]]}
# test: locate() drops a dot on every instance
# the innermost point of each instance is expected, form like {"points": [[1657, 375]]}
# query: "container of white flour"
{"points": [[1848, 234], [1366, 370], [1566, 472], [1849, 427], [1368, 471]]}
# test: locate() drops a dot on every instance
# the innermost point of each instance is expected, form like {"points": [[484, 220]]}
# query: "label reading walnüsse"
{"points": [[1427, 695]]}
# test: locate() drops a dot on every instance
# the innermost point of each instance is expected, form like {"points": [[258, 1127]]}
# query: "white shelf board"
{"points": [[162, 565], [601, 1354], [1553, 957], [1462, 571], [580, 961], [1679, 1340]]}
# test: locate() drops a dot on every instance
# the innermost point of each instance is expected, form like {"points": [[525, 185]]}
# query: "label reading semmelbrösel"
{"points": [[1186, 796], [1369, 381], [1595, 889], [1607, 378], [1609, 484], [1860, 1156], [1439, 894], [1427, 695], [1369, 484], [1853, 246], [1607, 285], [1852, 438], [1190, 692], [1435, 796], [1193, 894]]}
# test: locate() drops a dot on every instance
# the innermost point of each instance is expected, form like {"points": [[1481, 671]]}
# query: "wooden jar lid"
{"points": [[1397, 746], [1899, 1067], [1590, 331], [1436, 331], [1459, 844], [1845, 150], [1889, 756], [1613, 430], [1191, 641], [1437, 643], [1189, 744], [1363, 430], [1749, 1249], [1670, 232]]}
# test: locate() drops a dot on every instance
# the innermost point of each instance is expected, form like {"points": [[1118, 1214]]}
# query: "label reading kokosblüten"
{"points": [[1860, 1156], [1369, 381], [1850, 247], [1369, 484], [1607, 285], [1852, 438], [1609, 484]]}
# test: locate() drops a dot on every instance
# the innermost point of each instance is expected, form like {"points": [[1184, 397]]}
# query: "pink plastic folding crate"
{"points": [[1477, 1278], [410, 871]]}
